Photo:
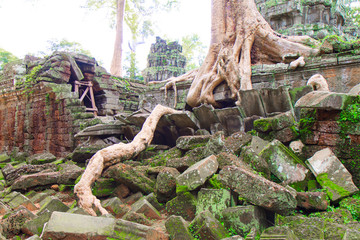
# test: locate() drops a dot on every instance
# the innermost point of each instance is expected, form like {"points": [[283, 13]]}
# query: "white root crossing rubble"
{"points": [[112, 155]]}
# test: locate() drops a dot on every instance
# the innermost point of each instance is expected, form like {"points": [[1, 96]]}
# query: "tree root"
{"points": [[112, 155]]}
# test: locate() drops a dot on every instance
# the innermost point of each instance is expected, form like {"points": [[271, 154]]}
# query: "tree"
{"points": [[6, 57], [66, 46], [137, 16], [193, 50], [239, 37]]}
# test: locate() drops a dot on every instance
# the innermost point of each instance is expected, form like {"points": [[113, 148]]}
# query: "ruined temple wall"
{"points": [[42, 119], [341, 72]]}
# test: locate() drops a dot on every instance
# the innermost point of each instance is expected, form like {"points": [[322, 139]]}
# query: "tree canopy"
{"points": [[6, 57]]}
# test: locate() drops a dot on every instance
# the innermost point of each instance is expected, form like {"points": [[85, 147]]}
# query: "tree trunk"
{"points": [[116, 63], [240, 37], [114, 154]]}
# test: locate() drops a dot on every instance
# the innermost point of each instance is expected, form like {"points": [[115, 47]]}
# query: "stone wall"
{"points": [[341, 72]]}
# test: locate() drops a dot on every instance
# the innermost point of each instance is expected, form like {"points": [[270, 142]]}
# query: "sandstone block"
{"points": [[206, 226], [177, 228], [197, 174], [312, 200], [183, 205], [331, 174], [258, 190], [213, 200]]}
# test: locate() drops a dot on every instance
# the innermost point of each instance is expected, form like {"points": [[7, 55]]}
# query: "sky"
{"points": [[27, 25]]}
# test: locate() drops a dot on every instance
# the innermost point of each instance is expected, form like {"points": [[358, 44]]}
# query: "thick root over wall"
{"points": [[240, 37], [112, 155]]}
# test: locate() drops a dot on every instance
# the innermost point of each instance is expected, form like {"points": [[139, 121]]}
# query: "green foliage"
{"points": [[215, 183], [6, 57], [193, 50], [306, 123], [341, 44], [348, 117], [64, 45]]}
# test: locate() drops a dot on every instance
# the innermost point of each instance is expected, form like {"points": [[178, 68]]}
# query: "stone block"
{"points": [[278, 232], [183, 205], [21, 200], [276, 100], [331, 174], [191, 142], [283, 163], [41, 158], [130, 230], [206, 226], [325, 100], [103, 187], [166, 183], [36, 225], [115, 206], [144, 207], [251, 103], [184, 120], [243, 218], [151, 198], [312, 200], [236, 141], [258, 190], [3, 208], [258, 144], [54, 205], [304, 227], [258, 163], [196, 175], [77, 226], [230, 118], [13, 223], [213, 200], [177, 228], [206, 116], [276, 123]]}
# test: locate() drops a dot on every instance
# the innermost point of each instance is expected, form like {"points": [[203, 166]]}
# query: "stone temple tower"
{"points": [[164, 61]]}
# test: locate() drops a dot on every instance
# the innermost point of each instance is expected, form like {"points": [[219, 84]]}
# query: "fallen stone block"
{"points": [[129, 230], [197, 174], [251, 103], [135, 179], [275, 123], [183, 205], [258, 144], [191, 142], [278, 232], [41, 158], [166, 183], [178, 228], [258, 190], [304, 227], [312, 200], [236, 141], [213, 200], [116, 207], [13, 223], [258, 163], [276, 100], [144, 207], [21, 200], [76, 226], [331, 174], [206, 226], [184, 120], [54, 205], [283, 163], [3, 208], [35, 226], [205, 114], [243, 219]]}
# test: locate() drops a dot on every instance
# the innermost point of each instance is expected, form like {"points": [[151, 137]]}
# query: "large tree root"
{"points": [[241, 37], [112, 155]]}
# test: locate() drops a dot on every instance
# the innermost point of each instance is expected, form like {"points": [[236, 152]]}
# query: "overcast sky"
{"points": [[27, 25]]}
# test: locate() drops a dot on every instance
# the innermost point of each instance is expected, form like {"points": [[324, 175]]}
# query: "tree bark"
{"points": [[114, 154], [116, 63], [240, 37]]}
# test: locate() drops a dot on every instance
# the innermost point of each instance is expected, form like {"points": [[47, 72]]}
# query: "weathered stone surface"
{"points": [[132, 177], [331, 174], [191, 142], [54, 205], [177, 228], [206, 226], [312, 200], [324, 100], [228, 159], [243, 218], [206, 116], [230, 118], [115, 206], [15, 220], [77, 226], [258, 190], [278, 232], [258, 163], [215, 145], [144, 207], [258, 144], [85, 152], [283, 163], [184, 119], [251, 103], [197, 174], [36, 225], [355, 90], [21, 200], [129, 230], [183, 205], [351, 204], [276, 123], [3, 208], [103, 187], [275, 100], [304, 227], [10, 173], [213, 200], [236, 141], [41, 158], [166, 183], [102, 130]]}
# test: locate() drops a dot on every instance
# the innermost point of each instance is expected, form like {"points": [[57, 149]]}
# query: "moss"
{"points": [[215, 183], [263, 125], [331, 187]]}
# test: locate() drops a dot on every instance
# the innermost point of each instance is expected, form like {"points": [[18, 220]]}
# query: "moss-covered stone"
{"points": [[206, 226], [104, 187], [213, 200], [177, 228], [183, 205]]}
